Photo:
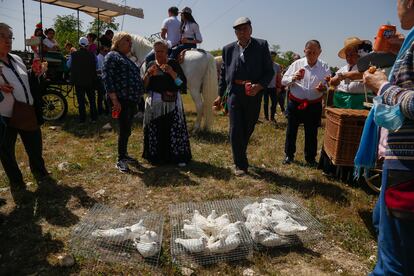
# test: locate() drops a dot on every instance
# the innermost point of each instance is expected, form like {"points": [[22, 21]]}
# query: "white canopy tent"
{"points": [[102, 9]]}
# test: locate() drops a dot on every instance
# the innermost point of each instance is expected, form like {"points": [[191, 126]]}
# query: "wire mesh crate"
{"points": [[115, 250], [184, 211], [314, 229], [342, 134]]}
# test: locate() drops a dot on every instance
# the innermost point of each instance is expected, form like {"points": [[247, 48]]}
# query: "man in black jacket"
{"points": [[82, 66], [246, 70]]}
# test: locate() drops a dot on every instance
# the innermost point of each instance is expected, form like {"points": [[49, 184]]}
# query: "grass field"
{"points": [[30, 243]]}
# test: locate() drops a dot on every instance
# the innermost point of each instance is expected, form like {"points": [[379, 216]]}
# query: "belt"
{"points": [[241, 82], [303, 103]]}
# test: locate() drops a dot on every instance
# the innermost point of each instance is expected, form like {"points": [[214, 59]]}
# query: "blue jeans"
{"points": [[396, 236]]}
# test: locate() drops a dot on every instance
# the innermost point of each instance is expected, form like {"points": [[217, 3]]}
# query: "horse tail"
{"points": [[209, 90]]}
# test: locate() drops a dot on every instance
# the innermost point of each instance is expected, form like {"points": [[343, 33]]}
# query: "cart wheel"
{"points": [[374, 180], [55, 106]]}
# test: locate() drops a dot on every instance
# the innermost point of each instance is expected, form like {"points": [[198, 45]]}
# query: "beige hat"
{"points": [[350, 42]]}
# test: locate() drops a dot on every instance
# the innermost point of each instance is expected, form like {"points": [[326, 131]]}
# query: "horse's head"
{"points": [[140, 48]]}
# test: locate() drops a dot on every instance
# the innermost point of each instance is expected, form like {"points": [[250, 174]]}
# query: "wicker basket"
{"points": [[342, 134]]}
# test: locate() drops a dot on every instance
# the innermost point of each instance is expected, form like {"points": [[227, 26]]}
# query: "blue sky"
{"points": [[287, 23]]}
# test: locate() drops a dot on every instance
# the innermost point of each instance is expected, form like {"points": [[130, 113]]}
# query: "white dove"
{"points": [[193, 245], [222, 221], [288, 226], [146, 249], [148, 237], [230, 229], [232, 242], [212, 216], [138, 228], [193, 231], [270, 239], [120, 234], [217, 246]]}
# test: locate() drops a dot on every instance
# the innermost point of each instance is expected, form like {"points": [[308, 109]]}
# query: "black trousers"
{"points": [[128, 110], [310, 117], [269, 93], [89, 91], [244, 113], [32, 141], [102, 103]]}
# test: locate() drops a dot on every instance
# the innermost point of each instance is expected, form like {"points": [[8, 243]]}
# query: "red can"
{"points": [[381, 43], [248, 88], [115, 114], [302, 73]]}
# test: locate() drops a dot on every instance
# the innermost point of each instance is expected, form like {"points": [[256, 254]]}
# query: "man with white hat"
{"points": [[246, 70], [82, 66]]}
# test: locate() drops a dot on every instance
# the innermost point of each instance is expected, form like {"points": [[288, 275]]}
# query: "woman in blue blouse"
{"points": [[124, 86]]}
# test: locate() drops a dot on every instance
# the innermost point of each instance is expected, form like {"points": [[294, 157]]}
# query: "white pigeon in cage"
{"points": [[148, 237], [213, 215], [230, 229], [146, 249], [288, 226], [222, 221], [267, 238], [193, 245], [193, 231], [121, 234], [138, 228]]}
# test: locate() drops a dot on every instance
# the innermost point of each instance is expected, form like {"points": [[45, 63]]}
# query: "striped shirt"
{"points": [[401, 90]]}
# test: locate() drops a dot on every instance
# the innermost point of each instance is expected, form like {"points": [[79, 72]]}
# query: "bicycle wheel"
{"points": [[374, 180], [55, 105]]}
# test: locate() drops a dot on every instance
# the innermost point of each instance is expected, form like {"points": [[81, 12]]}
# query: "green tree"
{"points": [[103, 26], [276, 48], [333, 69], [66, 28], [216, 53]]}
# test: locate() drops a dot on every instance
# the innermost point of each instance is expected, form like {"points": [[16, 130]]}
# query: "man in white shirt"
{"points": [[170, 31], [306, 79]]}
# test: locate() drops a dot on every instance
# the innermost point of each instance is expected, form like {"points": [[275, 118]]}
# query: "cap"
{"points": [[83, 41], [241, 21], [186, 10]]}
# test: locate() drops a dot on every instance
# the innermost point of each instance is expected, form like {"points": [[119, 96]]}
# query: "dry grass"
{"points": [[30, 244]]}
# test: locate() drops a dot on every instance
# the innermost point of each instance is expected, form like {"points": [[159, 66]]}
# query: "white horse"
{"points": [[200, 71]]}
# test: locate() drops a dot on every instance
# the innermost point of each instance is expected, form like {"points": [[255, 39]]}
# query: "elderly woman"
{"points": [[165, 129], [124, 87], [18, 87], [350, 93], [190, 33]]}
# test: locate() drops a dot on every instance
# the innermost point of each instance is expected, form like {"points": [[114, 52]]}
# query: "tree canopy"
{"points": [[66, 29]]}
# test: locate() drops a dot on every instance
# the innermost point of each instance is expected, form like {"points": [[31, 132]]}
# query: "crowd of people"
{"points": [[248, 73]]}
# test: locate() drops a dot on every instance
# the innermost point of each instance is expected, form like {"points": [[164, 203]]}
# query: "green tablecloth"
{"points": [[348, 100]]}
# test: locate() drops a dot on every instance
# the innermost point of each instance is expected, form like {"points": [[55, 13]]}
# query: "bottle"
{"points": [[381, 43]]}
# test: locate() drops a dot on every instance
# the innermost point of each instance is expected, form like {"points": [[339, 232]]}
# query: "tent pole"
{"points": [[99, 28], [77, 11], [41, 16], [24, 26]]}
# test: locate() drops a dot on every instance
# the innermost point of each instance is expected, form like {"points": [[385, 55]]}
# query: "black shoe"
{"points": [[122, 166], [311, 163], [130, 160], [288, 160]]}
